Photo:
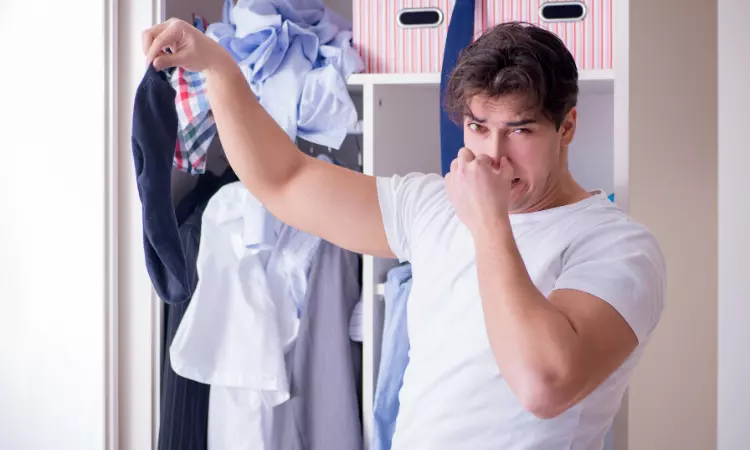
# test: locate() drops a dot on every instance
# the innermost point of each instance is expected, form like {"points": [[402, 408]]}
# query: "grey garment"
{"points": [[323, 412]]}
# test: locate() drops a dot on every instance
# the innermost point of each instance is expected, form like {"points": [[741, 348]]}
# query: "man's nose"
{"points": [[498, 149]]}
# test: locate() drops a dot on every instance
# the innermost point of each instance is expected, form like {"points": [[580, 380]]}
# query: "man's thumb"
{"points": [[165, 61]]}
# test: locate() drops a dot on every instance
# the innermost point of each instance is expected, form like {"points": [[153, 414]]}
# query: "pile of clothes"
{"points": [[296, 56]]}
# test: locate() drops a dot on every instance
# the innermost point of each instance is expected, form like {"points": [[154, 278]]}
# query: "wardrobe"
{"points": [[400, 127], [618, 148]]}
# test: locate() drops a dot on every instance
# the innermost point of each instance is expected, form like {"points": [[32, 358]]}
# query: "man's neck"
{"points": [[565, 191]]}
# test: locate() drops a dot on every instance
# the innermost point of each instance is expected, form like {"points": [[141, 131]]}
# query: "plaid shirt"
{"points": [[196, 122]]}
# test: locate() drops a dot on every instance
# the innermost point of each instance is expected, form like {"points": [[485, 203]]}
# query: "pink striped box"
{"points": [[388, 47]]}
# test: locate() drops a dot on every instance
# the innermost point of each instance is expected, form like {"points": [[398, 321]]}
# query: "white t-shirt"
{"points": [[454, 396]]}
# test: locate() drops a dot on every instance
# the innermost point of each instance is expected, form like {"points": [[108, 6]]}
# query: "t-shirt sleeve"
{"points": [[403, 201], [621, 263]]}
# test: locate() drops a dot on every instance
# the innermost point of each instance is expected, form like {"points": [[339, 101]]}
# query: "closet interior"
{"points": [[398, 132]]}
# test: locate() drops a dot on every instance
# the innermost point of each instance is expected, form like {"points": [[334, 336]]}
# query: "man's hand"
{"points": [[479, 189], [190, 49]]}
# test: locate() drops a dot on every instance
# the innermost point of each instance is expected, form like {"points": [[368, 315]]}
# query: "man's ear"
{"points": [[568, 126]]}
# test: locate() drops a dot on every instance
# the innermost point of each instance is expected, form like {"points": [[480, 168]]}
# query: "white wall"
{"points": [[53, 213], [137, 311], [734, 226], [668, 119]]}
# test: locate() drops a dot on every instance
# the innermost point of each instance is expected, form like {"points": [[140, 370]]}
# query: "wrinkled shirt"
{"points": [[296, 56], [244, 316]]}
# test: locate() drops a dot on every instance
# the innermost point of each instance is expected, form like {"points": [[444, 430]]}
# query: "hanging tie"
{"points": [[460, 35]]}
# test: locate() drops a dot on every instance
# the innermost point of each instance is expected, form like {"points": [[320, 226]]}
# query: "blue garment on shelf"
{"points": [[394, 356], [460, 35], [296, 55]]}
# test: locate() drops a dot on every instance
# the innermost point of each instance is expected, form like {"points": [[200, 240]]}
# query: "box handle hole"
{"points": [[562, 11], [420, 17]]}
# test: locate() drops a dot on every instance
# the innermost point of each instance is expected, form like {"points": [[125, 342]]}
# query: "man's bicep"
{"points": [[620, 264], [606, 339], [336, 204], [611, 289]]}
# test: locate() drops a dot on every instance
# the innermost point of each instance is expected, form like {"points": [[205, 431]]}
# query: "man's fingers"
{"points": [[484, 159], [151, 34], [505, 168], [454, 165], [465, 154], [168, 38], [164, 61]]}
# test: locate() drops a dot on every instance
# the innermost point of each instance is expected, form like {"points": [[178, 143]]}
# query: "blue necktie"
{"points": [[460, 35]]}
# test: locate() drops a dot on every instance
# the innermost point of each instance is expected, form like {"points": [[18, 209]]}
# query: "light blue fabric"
{"points": [[296, 56], [394, 356], [609, 443]]}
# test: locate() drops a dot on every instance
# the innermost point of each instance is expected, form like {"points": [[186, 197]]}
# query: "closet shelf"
{"points": [[590, 81], [360, 79]]}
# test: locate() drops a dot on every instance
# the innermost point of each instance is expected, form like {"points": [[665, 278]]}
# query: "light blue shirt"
{"points": [[296, 55], [394, 356]]}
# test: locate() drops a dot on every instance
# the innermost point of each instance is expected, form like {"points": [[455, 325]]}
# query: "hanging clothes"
{"points": [[183, 418], [356, 324], [153, 141], [296, 56], [171, 240], [323, 366], [394, 356], [243, 318], [154, 133]]}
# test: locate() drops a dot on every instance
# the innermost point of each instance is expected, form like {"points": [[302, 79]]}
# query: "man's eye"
{"points": [[521, 131], [476, 127]]}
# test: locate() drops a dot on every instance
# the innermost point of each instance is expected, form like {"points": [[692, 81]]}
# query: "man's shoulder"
{"points": [[415, 189], [608, 229], [415, 181], [618, 259]]}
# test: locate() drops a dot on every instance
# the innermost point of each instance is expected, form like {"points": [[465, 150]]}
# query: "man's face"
{"points": [[537, 151]]}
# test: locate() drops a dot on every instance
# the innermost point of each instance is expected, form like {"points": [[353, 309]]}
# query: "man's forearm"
{"points": [[259, 151], [534, 344]]}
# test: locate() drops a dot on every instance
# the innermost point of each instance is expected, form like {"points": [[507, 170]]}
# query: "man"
{"points": [[532, 298]]}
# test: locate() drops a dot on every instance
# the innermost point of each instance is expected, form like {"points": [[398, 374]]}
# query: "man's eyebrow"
{"points": [[520, 122], [517, 123], [474, 118]]}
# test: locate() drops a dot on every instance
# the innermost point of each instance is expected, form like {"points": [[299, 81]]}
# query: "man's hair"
{"points": [[515, 58]]}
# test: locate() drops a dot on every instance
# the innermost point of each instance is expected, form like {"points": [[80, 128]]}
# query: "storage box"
{"points": [[401, 36]]}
